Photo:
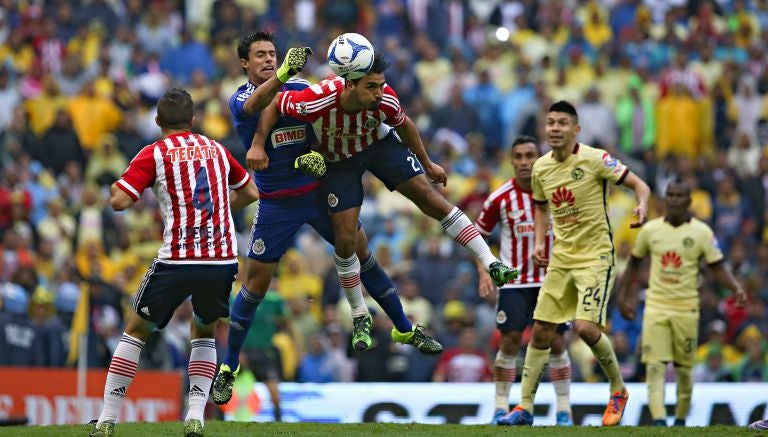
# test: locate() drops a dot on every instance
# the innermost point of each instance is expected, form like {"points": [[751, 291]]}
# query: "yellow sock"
{"points": [[605, 355], [655, 380], [684, 391], [535, 362]]}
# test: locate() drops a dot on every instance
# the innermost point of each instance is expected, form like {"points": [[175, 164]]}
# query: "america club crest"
{"points": [[332, 200], [258, 247], [577, 174]]}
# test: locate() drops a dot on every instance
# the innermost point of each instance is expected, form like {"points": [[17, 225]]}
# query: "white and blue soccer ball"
{"points": [[350, 55]]}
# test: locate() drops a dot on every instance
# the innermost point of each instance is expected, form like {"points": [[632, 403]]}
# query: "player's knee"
{"points": [[588, 331], [510, 342], [542, 334]]}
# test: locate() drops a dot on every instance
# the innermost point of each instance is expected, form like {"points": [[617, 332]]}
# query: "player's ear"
{"points": [[157, 120], [192, 122], [244, 64]]}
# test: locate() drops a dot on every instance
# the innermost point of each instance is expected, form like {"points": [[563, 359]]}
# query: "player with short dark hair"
{"points": [[677, 241], [359, 125], [571, 181], [191, 176], [511, 207], [288, 200]]}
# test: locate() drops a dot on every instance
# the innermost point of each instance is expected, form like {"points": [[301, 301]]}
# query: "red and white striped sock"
{"points": [[460, 228], [560, 375], [504, 374], [121, 371], [202, 368], [348, 270]]}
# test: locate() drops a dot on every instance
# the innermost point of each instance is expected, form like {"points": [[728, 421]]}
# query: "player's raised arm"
{"points": [[294, 62], [642, 192], [256, 158], [409, 133]]}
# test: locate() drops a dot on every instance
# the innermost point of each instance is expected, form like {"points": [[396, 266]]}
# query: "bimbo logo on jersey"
{"points": [[288, 135], [192, 153]]}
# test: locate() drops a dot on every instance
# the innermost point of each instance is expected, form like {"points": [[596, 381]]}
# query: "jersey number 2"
{"points": [[201, 198]]}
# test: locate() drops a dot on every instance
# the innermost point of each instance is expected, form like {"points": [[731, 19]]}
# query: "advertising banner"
{"points": [[713, 403], [49, 396]]}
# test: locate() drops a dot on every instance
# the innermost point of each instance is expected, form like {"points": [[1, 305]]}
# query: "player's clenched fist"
{"points": [[256, 158], [293, 63]]}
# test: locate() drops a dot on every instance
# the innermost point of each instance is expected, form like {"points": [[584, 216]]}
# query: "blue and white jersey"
{"points": [[289, 139]]}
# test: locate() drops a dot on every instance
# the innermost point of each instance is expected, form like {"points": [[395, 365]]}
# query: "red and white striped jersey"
{"points": [[513, 209], [341, 133], [191, 176]]}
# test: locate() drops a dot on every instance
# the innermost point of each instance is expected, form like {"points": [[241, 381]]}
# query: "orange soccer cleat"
{"points": [[615, 408]]}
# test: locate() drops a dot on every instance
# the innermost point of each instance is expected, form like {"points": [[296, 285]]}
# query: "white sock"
{"points": [[460, 228], [122, 369], [202, 368], [504, 374], [348, 270], [560, 375]]}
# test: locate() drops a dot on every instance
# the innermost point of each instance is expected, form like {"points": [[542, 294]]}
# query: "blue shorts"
{"points": [[388, 159], [166, 286], [277, 221], [514, 309]]}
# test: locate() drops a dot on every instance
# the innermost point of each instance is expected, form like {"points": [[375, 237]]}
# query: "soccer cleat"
{"points": [[222, 385], [517, 417], [679, 422], [501, 274], [361, 332], [311, 163], [659, 422], [615, 408], [418, 339], [498, 414], [193, 428], [563, 418], [760, 425], [105, 429]]}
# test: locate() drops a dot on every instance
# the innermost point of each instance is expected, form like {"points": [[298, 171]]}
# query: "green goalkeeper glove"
{"points": [[293, 63], [311, 163]]}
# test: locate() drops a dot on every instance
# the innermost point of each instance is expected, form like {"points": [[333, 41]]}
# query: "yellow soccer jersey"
{"points": [[577, 191], [675, 254]]}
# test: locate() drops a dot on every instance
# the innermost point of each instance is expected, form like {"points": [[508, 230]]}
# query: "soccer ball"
{"points": [[350, 55]]}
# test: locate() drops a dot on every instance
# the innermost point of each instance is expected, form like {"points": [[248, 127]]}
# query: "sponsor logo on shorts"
{"points": [[501, 317], [145, 310], [332, 200], [258, 247]]}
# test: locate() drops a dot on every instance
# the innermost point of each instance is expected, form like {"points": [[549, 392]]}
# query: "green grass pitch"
{"points": [[216, 428]]}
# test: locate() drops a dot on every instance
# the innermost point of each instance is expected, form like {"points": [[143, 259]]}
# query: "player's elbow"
{"points": [[119, 204]]}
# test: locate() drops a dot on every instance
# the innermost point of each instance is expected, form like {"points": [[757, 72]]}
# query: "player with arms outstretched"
{"points": [[290, 198], [359, 124], [676, 243], [191, 176], [511, 207], [572, 181]]}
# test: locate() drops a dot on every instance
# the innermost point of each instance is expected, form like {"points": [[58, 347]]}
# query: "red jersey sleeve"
{"points": [[140, 174], [238, 176], [390, 105], [310, 103], [489, 216]]}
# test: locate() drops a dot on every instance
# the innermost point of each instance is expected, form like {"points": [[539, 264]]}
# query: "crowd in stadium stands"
{"points": [[674, 88]]}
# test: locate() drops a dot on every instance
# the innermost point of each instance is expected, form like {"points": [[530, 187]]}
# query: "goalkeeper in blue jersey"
{"points": [[289, 198]]}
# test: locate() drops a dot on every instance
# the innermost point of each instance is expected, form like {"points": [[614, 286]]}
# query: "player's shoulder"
{"points": [[700, 226], [544, 161], [296, 84], [592, 154], [503, 190], [653, 224], [242, 92]]}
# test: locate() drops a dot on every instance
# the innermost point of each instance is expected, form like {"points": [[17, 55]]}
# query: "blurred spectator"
{"points": [[187, 58], [600, 131], [713, 368], [418, 309], [60, 144], [464, 363], [106, 164], [93, 116], [316, 365]]}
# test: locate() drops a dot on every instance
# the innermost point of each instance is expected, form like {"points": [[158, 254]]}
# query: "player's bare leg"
{"points": [[274, 394], [603, 351], [258, 276], [348, 270], [456, 224]]}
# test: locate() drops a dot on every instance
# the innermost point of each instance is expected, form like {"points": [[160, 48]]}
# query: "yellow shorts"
{"points": [[575, 294], [670, 336]]}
